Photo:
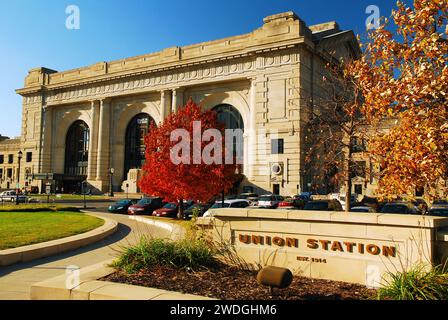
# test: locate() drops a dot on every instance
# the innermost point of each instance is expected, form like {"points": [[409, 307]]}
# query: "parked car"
{"points": [[292, 204], [305, 196], [438, 211], [168, 210], [421, 205], [252, 197], [146, 206], [121, 206], [236, 203], [342, 201], [270, 201], [440, 202], [365, 209], [8, 196], [373, 203], [400, 207], [323, 205], [203, 207]]}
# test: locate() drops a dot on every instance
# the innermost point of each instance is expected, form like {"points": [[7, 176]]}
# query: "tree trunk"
{"points": [[348, 180], [180, 213]]}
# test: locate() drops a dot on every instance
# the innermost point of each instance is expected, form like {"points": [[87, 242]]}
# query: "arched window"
{"points": [[232, 119], [229, 116], [77, 149], [135, 141]]}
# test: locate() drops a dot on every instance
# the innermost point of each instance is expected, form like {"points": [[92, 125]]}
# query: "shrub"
{"points": [[416, 284], [182, 254]]}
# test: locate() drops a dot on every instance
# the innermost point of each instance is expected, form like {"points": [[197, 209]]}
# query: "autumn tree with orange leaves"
{"points": [[341, 127], [403, 75], [176, 181]]}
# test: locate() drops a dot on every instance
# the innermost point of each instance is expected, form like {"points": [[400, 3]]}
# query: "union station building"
{"points": [[80, 124]]}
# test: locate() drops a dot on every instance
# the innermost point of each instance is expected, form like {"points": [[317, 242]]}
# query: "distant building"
{"points": [[78, 124]]}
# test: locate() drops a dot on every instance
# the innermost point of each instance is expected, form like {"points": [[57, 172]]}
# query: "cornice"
{"points": [[98, 79]]}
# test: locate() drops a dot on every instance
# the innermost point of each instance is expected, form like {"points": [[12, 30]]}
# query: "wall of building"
{"points": [[265, 75]]}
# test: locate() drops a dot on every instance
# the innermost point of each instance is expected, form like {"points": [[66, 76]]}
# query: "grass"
{"points": [[182, 254], [68, 197], [25, 228], [36, 208], [416, 284]]}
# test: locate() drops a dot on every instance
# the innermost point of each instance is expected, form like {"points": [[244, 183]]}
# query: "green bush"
{"points": [[416, 284], [36, 208], [183, 254]]}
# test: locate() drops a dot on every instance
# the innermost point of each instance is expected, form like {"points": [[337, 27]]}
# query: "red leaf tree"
{"points": [[196, 180]]}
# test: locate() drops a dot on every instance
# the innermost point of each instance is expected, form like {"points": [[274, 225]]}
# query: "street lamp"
{"points": [[111, 189], [19, 156], [84, 191]]}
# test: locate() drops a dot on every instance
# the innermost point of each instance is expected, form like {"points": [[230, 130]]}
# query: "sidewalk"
{"points": [[16, 280]]}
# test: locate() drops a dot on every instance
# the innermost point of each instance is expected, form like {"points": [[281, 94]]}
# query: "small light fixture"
{"points": [[275, 277]]}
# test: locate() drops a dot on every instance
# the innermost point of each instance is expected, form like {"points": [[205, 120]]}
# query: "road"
{"points": [[16, 280]]}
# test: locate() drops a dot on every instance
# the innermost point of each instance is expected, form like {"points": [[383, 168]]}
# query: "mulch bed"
{"points": [[227, 283]]}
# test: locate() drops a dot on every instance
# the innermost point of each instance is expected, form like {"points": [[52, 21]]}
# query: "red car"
{"points": [[145, 206], [169, 210], [291, 204]]}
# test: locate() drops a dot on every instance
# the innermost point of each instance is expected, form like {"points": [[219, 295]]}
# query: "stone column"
{"points": [[165, 104], [103, 143], [48, 127], [252, 134], [178, 99], [93, 142]]}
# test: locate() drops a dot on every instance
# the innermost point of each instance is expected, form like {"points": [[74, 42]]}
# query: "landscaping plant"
{"points": [[182, 254], [417, 284]]}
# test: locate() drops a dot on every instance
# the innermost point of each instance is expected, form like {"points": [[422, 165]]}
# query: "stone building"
{"points": [[79, 124]]}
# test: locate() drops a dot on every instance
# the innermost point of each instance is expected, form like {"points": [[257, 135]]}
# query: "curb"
{"points": [[54, 247], [176, 231], [83, 285]]}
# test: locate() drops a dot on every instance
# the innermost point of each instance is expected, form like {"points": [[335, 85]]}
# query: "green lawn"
{"points": [[68, 197], [24, 228]]}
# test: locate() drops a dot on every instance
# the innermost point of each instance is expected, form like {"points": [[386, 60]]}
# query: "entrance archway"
{"points": [[76, 156], [135, 146], [77, 149], [232, 119]]}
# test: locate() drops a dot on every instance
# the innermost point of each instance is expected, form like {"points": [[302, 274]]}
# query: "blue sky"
{"points": [[33, 32]]}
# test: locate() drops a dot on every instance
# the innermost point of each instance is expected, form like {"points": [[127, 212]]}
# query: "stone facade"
{"points": [[264, 75], [357, 248]]}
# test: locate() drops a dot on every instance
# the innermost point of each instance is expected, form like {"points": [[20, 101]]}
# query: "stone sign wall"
{"points": [[356, 248]]}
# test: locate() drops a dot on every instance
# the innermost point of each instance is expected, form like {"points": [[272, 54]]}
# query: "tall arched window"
{"points": [[230, 116], [77, 149], [135, 142], [232, 119]]}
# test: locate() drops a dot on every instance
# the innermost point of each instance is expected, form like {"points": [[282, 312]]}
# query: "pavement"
{"points": [[16, 280]]}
